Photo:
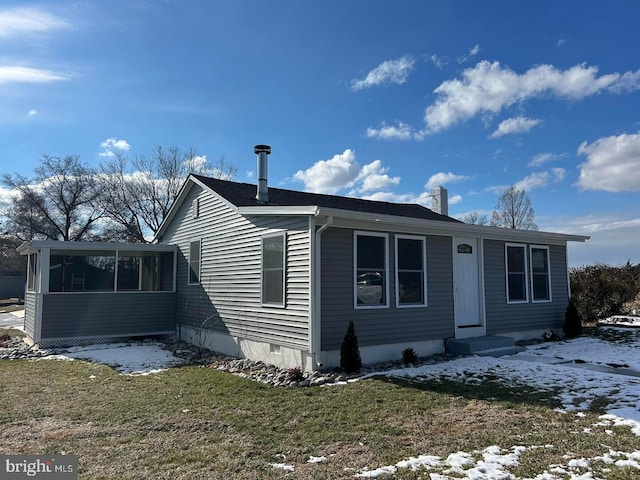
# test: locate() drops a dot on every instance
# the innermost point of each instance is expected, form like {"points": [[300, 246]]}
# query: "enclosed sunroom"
{"points": [[81, 292]]}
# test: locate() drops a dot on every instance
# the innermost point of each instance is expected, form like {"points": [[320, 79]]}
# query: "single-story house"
{"points": [[277, 275]]}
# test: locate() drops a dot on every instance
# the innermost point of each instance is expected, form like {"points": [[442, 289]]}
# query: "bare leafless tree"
{"points": [[138, 192], [514, 210], [476, 218], [58, 203]]}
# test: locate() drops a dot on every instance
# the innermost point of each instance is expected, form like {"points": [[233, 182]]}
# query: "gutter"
{"points": [[316, 319]]}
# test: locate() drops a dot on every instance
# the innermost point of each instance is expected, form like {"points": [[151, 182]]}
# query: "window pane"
{"points": [[97, 272], [409, 254], [410, 287], [371, 252], [31, 279], [194, 262], [465, 248], [128, 273], [540, 287], [272, 287], [517, 287], [273, 252], [371, 287], [515, 259], [539, 260], [273, 259]]}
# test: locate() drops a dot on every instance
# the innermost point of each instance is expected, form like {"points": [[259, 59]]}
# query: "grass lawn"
{"points": [[195, 422]]}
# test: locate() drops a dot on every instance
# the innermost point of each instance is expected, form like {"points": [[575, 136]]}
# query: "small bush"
{"points": [[409, 355], [572, 322], [295, 374], [350, 360], [5, 338]]}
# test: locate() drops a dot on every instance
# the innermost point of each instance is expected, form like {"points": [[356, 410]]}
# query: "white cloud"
{"points": [[195, 163], [343, 171], [329, 176], [400, 131], [438, 61], [489, 88], [30, 75], [613, 164], [373, 176], [389, 71], [455, 199], [423, 198], [33, 112], [442, 178], [473, 51], [542, 158], [540, 179], [628, 82], [515, 125], [111, 144], [17, 21], [560, 42]]}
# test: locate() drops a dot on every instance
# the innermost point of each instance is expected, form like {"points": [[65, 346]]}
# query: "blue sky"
{"points": [[375, 99]]}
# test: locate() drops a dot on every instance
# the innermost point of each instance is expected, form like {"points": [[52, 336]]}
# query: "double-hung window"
{"points": [[411, 285], [273, 269], [516, 261], [540, 274], [371, 285], [194, 262]]}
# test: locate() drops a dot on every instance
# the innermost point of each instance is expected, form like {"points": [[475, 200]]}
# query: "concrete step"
{"points": [[488, 344]]}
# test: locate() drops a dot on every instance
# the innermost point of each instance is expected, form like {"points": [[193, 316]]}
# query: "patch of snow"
{"points": [[128, 359], [283, 466], [313, 459]]}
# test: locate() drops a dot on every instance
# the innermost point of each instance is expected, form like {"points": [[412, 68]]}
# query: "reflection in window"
{"points": [[31, 273], [371, 269]]}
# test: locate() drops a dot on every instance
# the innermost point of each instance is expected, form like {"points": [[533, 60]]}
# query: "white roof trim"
{"points": [[275, 210], [37, 245]]}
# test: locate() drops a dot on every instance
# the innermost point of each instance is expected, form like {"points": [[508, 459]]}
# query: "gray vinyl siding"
{"points": [[228, 297], [69, 315], [30, 304], [379, 326], [503, 317]]}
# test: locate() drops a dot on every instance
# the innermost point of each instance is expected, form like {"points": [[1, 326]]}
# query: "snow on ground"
{"points": [[622, 320], [126, 358]]}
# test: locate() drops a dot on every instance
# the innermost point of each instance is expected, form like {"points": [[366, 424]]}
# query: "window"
{"points": [[89, 272], [31, 272], [273, 268], [516, 260], [372, 258], [540, 274], [139, 272], [194, 262], [410, 271], [465, 248]]}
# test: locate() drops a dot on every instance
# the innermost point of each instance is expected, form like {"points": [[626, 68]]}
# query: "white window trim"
{"points": [[526, 273], [282, 304], [541, 247], [356, 234], [424, 272], [189, 282]]}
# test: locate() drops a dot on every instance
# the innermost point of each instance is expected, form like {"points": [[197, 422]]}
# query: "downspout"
{"points": [[316, 318]]}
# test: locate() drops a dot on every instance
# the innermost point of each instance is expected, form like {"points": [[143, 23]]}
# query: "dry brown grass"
{"points": [[192, 423]]}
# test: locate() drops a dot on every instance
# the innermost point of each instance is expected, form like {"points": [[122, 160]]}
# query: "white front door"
{"points": [[466, 288]]}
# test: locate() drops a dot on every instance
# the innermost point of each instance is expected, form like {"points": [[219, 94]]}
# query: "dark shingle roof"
{"points": [[243, 195]]}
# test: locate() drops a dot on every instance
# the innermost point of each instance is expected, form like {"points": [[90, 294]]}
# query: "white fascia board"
{"points": [[37, 245], [276, 210], [452, 228]]}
